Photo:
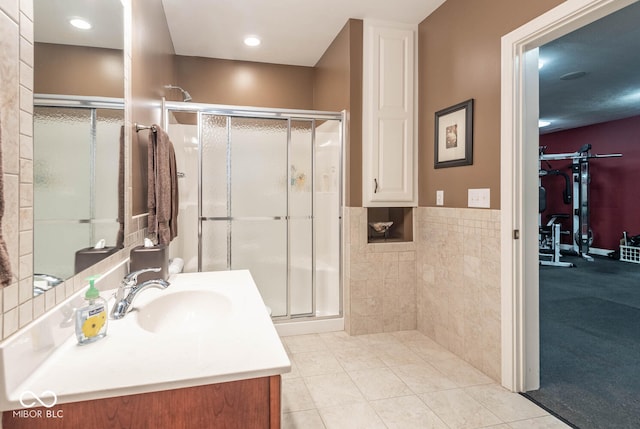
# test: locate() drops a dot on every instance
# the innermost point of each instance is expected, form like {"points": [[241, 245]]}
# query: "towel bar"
{"points": [[140, 127]]}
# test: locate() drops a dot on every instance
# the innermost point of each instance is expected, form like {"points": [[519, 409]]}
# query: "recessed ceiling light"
{"points": [[252, 41], [80, 23], [542, 124]]}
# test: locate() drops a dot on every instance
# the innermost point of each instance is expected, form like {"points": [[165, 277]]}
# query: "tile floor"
{"points": [[398, 380]]}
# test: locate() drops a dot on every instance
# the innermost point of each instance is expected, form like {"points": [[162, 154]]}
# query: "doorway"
{"points": [[519, 178]]}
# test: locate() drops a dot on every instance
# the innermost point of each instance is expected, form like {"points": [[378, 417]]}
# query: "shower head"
{"points": [[185, 94]]}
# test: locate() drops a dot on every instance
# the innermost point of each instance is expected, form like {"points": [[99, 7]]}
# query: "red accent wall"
{"points": [[615, 182]]}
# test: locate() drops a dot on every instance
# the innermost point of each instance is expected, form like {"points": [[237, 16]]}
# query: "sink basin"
{"points": [[182, 312]]}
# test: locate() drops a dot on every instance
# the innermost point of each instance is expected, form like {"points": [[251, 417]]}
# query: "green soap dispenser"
{"points": [[91, 320]]}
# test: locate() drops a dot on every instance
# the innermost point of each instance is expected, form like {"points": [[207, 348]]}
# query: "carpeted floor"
{"points": [[590, 343]]}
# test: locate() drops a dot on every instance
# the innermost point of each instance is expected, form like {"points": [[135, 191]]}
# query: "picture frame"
{"points": [[454, 135]]}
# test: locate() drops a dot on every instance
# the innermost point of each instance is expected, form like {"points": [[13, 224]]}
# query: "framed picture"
{"points": [[454, 136]]}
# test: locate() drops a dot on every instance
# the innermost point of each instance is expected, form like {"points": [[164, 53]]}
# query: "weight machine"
{"points": [[582, 235]]}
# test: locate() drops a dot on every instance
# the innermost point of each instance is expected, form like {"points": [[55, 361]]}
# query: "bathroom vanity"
{"points": [[202, 353]]}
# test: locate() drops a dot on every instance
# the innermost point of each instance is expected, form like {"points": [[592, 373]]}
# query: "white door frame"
{"points": [[519, 183]]}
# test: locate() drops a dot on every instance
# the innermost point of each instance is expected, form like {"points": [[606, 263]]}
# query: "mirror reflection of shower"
{"points": [[262, 191], [75, 179]]}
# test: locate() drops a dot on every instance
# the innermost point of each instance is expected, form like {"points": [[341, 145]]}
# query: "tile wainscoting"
{"points": [[446, 283], [458, 283], [379, 280]]}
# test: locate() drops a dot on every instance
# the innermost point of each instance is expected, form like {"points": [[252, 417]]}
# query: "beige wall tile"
{"points": [[458, 278], [25, 290], [26, 7], [49, 299], [10, 8], [377, 276], [10, 298], [10, 222], [26, 218], [38, 306], [26, 313], [26, 146], [10, 322], [26, 97]]}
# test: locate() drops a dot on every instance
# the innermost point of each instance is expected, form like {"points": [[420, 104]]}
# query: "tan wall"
{"points": [[152, 68], [337, 87], [459, 59], [458, 249], [78, 70], [244, 83]]}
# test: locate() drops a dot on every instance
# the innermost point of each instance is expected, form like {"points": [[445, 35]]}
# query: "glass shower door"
{"points": [[301, 232], [244, 201]]}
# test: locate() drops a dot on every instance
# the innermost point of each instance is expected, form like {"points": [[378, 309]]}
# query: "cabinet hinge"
{"points": [[516, 234]]}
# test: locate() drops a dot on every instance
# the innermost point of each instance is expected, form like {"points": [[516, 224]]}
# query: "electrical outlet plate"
{"points": [[440, 198], [480, 198]]}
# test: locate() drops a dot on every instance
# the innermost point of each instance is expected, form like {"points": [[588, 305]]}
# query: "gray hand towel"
{"points": [[162, 198]]}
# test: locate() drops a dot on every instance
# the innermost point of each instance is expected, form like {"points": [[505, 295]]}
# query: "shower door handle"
{"points": [[375, 189]]}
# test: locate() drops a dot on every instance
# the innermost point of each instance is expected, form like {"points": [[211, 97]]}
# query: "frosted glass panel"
{"points": [[55, 245], [214, 245], [214, 165], [301, 255], [62, 166], [105, 190], [301, 166], [261, 247], [258, 167], [327, 218], [183, 131], [62, 163], [76, 157], [301, 210]]}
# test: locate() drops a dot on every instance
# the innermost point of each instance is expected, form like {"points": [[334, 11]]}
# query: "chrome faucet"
{"points": [[124, 304]]}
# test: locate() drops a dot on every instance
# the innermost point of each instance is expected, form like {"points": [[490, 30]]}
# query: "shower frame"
{"points": [[290, 115]]}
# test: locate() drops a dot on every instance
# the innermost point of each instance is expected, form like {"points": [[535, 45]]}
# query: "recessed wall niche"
{"points": [[400, 230]]}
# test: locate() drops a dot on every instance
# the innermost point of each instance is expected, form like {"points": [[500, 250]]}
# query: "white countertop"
{"points": [[130, 360]]}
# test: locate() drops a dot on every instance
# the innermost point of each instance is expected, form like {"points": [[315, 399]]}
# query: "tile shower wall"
{"points": [[18, 307], [379, 280], [458, 291]]}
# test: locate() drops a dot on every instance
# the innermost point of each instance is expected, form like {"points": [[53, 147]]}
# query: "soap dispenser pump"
{"points": [[91, 319]]}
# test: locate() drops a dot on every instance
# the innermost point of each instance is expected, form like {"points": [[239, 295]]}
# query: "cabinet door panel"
{"points": [[389, 145]]}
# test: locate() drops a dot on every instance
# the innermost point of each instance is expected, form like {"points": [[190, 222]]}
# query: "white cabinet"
{"points": [[389, 135]]}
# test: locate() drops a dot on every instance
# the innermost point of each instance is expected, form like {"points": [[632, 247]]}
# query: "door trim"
{"points": [[519, 116]]}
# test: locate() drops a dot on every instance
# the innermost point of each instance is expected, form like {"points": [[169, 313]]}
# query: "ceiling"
{"points": [[608, 51], [294, 32], [52, 22], [297, 32]]}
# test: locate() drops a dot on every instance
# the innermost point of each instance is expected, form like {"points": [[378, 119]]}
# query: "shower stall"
{"points": [[261, 189]]}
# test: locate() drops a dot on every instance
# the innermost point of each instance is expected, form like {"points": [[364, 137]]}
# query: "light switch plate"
{"points": [[440, 198], [480, 198]]}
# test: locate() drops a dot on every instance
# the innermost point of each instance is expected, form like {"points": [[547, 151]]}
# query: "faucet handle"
{"points": [[131, 279]]}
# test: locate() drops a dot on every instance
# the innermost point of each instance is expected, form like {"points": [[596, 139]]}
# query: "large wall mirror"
{"points": [[78, 117]]}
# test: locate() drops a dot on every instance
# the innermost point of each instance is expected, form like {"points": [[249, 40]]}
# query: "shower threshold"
{"points": [[308, 325]]}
